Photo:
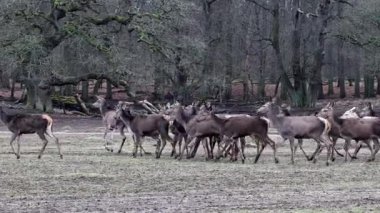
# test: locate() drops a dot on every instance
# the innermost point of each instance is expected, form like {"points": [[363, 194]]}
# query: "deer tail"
{"points": [[49, 122], [327, 125]]}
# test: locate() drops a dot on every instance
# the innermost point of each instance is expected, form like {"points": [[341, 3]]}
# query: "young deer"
{"points": [[110, 121], [20, 124]]}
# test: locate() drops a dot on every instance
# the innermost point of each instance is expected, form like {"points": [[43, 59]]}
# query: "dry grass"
{"points": [[90, 179]]}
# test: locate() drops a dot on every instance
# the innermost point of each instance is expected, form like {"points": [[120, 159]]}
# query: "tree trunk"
{"points": [[378, 84], [109, 90], [97, 85], [13, 87], [4, 80], [357, 84], [84, 95], [287, 85], [228, 51], [330, 90], [38, 98], [369, 86]]}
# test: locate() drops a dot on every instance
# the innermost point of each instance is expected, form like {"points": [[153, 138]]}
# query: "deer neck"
{"points": [[276, 119], [4, 117]]}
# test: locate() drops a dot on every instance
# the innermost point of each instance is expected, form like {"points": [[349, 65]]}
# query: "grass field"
{"points": [[90, 179]]}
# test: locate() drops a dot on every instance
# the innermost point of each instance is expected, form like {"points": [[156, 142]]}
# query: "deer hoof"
{"points": [[310, 158], [327, 163], [354, 157], [276, 161], [61, 156], [39, 157], [370, 160], [332, 159], [242, 161], [314, 160], [18, 157], [118, 152]]}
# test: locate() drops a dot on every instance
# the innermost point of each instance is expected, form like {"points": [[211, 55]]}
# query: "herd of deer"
{"points": [[199, 124]]}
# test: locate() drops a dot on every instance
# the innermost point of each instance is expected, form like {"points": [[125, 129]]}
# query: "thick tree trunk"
{"points": [[287, 85], [38, 98], [369, 86], [4, 80], [84, 95]]}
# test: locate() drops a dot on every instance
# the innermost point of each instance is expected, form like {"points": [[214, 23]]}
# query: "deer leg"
{"points": [[106, 142], [176, 137], [43, 138], [329, 147], [163, 146], [242, 147], [273, 145], [18, 146], [260, 151], [158, 147], [300, 144], [195, 148], [357, 148], [227, 143], [187, 142], [376, 146], [123, 140], [212, 146], [206, 148], [347, 144], [317, 150], [51, 135], [137, 142], [11, 143], [291, 140], [334, 140]]}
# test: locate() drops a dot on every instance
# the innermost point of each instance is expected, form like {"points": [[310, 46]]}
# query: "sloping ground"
{"points": [[91, 179]]}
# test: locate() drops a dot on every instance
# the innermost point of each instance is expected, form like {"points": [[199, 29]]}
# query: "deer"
{"points": [[20, 124], [151, 125], [236, 127], [298, 127], [111, 122], [365, 113], [358, 129]]}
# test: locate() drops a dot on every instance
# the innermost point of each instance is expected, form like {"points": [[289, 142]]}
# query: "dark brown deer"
{"points": [[299, 127], [358, 129], [197, 127], [153, 125], [237, 127], [20, 124]]}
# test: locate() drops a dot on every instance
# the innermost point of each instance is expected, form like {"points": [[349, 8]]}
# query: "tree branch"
{"points": [[345, 2], [261, 5]]}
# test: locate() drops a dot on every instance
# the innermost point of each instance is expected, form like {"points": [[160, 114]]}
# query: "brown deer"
{"points": [[358, 129], [237, 127], [298, 127], [20, 124], [152, 125]]}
